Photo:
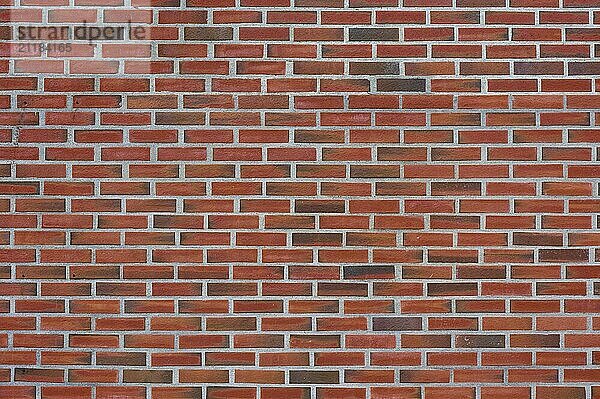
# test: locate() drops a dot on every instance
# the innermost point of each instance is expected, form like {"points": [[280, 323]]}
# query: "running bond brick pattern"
{"points": [[297, 199]]}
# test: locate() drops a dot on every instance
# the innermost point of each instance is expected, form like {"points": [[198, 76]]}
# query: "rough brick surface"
{"points": [[294, 199]]}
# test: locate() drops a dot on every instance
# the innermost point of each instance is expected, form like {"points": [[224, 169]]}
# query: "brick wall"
{"points": [[294, 199]]}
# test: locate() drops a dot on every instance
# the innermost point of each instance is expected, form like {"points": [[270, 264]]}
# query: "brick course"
{"points": [[358, 199]]}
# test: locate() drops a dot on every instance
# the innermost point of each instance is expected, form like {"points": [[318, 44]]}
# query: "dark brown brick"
{"points": [[374, 34], [211, 34], [374, 68], [480, 341], [401, 85], [314, 377], [397, 323]]}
